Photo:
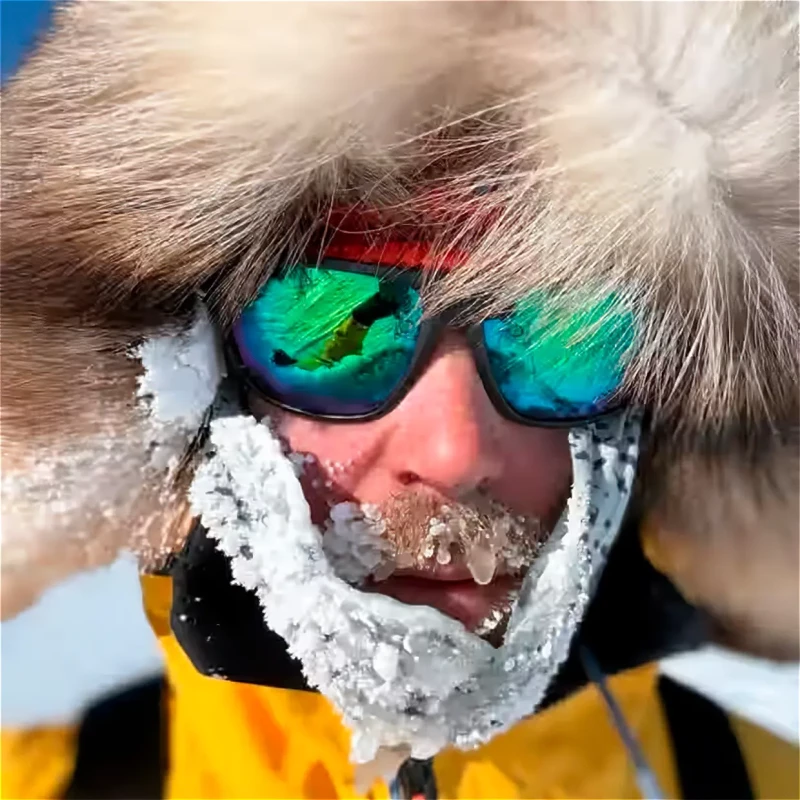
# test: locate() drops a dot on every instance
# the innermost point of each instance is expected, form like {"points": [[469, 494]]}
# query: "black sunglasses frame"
{"points": [[430, 331]]}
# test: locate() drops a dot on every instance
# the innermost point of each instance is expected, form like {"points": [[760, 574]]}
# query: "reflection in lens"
{"points": [[559, 359], [330, 341]]}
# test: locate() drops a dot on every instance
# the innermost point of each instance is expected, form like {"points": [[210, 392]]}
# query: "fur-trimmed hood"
{"points": [[154, 150]]}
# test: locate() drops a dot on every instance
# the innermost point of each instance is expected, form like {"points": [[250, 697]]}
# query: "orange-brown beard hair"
{"points": [[406, 518]]}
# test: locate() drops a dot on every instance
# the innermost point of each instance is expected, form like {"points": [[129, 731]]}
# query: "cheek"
{"points": [[334, 447], [341, 455], [537, 473]]}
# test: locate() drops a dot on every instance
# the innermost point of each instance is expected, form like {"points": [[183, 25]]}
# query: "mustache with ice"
{"points": [[417, 532]]}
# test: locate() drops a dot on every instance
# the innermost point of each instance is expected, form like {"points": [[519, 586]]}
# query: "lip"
{"points": [[448, 592]]}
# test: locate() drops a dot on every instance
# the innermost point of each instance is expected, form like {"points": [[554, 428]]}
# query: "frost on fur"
{"points": [[116, 488]]}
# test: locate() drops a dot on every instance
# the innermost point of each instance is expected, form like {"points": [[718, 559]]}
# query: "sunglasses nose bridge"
{"points": [[435, 327], [433, 330]]}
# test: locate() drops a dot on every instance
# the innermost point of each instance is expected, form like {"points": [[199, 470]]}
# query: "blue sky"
{"points": [[21, 21]]}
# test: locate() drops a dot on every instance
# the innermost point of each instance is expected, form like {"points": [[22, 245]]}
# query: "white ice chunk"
{"points": [[385, 661], [182, 371], [481, 562]]}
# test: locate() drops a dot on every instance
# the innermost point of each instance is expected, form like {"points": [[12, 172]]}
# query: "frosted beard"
{"points": [[476, 534], [407, 677]]}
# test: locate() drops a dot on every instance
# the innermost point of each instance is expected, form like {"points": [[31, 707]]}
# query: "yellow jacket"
{"points": [[237, 740]]}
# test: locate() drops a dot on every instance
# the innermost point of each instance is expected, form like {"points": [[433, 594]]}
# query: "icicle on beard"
{"points": [[405, 676]]}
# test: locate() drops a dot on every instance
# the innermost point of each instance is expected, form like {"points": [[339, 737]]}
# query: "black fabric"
{"points": [[709, 762], [122, 747], [219, 624], [637, 616]]}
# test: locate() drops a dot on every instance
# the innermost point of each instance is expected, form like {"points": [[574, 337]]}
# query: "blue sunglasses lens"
{"points": [[329, 341], [553, 362], [338, 342]]}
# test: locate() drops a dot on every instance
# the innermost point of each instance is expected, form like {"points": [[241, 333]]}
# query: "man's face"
{"points": [[444, 445]]}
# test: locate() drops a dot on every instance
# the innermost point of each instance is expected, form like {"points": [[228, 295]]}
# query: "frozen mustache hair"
{"points": [[356, 546], [408, 676]]}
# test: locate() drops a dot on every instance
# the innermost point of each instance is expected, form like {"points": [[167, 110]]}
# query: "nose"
{"points": [[446, 432]]}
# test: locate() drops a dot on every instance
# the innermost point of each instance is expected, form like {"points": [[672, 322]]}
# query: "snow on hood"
{"points": [[182, 372], [404, 678], [408, 676]]}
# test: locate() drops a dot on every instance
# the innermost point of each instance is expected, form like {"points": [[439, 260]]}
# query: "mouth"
{"points": [[468, 564], [482, 609]]}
